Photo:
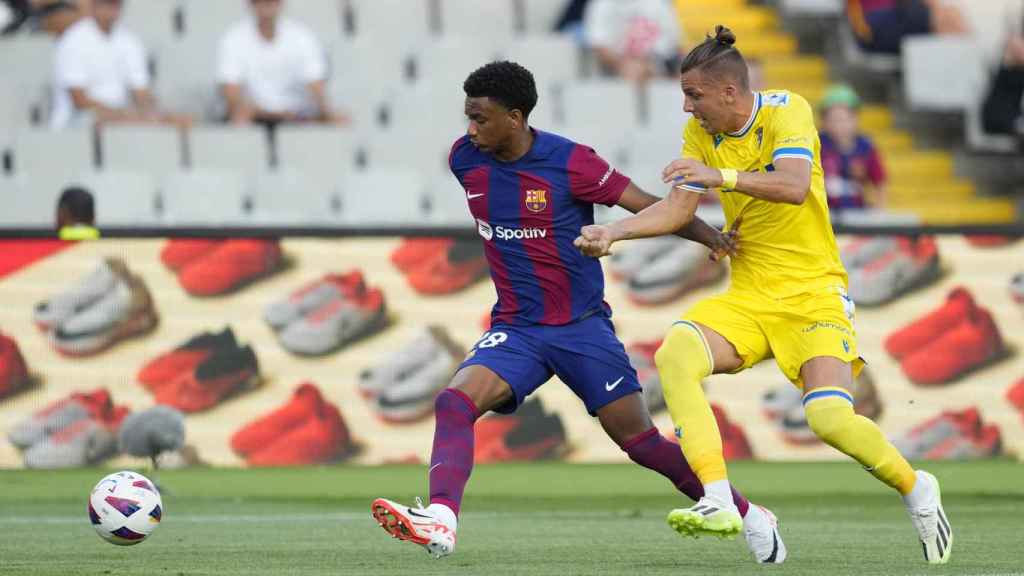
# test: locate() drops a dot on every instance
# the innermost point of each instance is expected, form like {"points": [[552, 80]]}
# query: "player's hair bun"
{"points": [[724, 36]]}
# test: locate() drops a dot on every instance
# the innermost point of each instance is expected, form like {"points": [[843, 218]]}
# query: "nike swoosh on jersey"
{"points": [[613, 385]]}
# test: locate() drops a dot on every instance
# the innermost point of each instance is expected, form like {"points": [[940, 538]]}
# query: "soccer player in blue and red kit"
{"points": [[530, 193]]}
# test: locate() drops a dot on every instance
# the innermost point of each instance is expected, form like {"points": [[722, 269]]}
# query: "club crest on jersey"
{"points": [[760, 136], [536, 200]]}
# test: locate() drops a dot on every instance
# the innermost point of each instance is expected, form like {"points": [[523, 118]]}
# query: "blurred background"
{"points": [[287, 263]]}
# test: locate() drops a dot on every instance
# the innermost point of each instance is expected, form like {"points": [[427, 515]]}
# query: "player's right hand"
{"points": [[594, 240]]}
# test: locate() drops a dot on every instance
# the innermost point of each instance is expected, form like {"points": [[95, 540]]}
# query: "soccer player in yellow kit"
{"points": [[787, 298]]}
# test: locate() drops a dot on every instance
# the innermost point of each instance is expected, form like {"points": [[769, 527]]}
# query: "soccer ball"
{"points": [[125, 508]]}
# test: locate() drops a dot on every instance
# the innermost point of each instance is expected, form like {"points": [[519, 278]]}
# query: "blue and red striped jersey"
{"points": [[528, 213]]}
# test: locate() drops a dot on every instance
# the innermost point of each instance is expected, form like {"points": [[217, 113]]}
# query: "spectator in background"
{"points": [[56, 17], [273, 69], [76, 215], [854, 175], [881, 25], [633, 39], [101, 73], [1003, 110]]}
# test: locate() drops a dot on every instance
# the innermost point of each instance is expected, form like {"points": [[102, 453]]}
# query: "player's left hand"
{"points": [[690, 171], [594, 240], [725, 243]]}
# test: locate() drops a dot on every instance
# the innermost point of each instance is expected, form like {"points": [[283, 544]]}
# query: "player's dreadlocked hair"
{"points": [[717, 57], [505, 82]]}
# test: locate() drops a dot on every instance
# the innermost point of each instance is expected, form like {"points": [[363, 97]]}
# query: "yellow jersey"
{"points": [[785, 249]]}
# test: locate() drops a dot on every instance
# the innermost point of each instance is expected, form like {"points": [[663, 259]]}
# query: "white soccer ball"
{"points": [[125, 508]]}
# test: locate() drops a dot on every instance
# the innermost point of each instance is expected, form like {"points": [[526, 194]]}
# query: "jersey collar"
{"points": [[750, 121]]}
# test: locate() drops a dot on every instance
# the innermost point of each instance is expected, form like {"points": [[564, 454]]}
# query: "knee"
{"points": [[684, 351], [828, 418]]}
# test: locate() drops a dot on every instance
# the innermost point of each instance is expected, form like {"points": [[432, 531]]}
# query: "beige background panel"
{"points": [[986, 272]]}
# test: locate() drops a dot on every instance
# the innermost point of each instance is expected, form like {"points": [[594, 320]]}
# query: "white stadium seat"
{"points": [[156, 150], [23, 207], [540, 16], [320, 153], [186, 78], [204, 198], [552, 59], [378, 17], [241, 149], [289, 197], [51, 160], [207, 20], [393, 197], [494, 20], [152, 20], [322, 16], [927, 62], [123, 198]]}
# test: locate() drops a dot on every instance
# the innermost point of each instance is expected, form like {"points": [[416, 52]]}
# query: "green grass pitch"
{"points": [[540, 518]]}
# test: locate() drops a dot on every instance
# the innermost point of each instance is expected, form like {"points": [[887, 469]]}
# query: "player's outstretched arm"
{"points": [[788, 184], [665, 216], [721, 244]]}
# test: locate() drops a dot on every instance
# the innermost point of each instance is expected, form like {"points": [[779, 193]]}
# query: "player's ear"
{"points": [[516, 117]]}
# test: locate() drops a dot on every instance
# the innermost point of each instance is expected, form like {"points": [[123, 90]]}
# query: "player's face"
{"points": [[490, 124], [709, 101]]}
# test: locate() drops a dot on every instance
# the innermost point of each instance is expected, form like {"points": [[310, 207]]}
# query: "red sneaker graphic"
{"points": [[222, 374], [916, 335], [972, 343], [13, 371], [989, 240], [985, 443], [262, 432], [450, 271], [167, 367], [528, 434], [414, 252], [230, 265], [321, 438], [1015, 395], [180, 251]]}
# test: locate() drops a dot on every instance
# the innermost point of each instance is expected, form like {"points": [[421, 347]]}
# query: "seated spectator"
{"points": [[854, 175], [101, 73], [881, 25], [76, 215], [1003, 110], [273, 69], [56, 16], [633, 39], [571, 20]]}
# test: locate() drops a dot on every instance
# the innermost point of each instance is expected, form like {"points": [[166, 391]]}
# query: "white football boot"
{"points": [[418, 525], [761, 530], [925, 509], [707, 516]]}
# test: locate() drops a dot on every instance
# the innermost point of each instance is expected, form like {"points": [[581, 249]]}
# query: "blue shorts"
{"points": [[586, 355]]}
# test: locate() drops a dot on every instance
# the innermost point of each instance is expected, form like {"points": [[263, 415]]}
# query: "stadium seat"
{"points": [[447, 60], [155, 150], [27, 65], [376, 17], [321, 154], [541, 16], [494, 20], [123, 198], [241, 149], [394, 197], [424, 152], [608, 104], [927, 83], [186, 78], [323, 16], [855, 56], [448, 202], [552, 59], [365, 73], [206, 21], [51, 160], [812, 7], [289, 197], [154, 21], [204, 198], [24, 207], [664, 104], [432, 113]]}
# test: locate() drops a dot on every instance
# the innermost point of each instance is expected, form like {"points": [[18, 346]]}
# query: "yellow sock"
{"points": [[683, 360], [830, 415]]}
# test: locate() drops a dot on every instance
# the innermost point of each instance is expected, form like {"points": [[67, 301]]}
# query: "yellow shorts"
{"points": [[794, 329]]}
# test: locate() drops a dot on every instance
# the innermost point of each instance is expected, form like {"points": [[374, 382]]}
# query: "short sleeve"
{"points": [[792, 132], [70, 65], [592, 179], [693, 138], [313, 66], [135, 56], [230, 61]]}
